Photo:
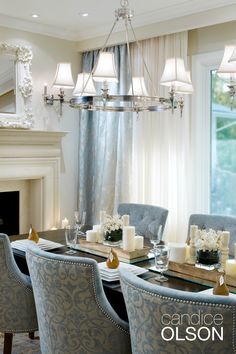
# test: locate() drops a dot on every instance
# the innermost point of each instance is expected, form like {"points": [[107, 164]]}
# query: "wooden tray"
{"points": [[191, 270], [104, 250]]}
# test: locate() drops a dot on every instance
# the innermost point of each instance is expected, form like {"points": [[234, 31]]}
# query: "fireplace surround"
{"points": [[30, 163]]}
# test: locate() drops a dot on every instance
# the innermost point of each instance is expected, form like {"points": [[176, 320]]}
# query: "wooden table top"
{"points": [[192, 285]]}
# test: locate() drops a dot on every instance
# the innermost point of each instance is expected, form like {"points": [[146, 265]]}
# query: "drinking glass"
{"points": [[156, 238], [79, 220], [71, 239], [162, 253]]}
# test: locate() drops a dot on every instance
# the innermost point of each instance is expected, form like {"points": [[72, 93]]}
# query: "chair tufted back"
{"points": [[73, 312], [145, 218], [215, 222], [17, 308], [151, 308]]}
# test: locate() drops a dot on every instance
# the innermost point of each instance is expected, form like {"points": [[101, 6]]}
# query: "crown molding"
{"points": [[183, 23], [160, 21]]}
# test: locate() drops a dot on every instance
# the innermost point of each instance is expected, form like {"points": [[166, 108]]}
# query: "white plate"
{"points": [[108, 274], [43, 244]]}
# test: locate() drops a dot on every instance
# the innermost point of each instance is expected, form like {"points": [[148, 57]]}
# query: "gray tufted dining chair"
{"points": [[145, 218], [215, 222], [17, 307], [74, 314], [161, 319]]}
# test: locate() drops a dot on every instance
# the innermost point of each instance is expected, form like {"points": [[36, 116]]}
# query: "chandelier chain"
{"points": [[124, 3], [129, 56]]}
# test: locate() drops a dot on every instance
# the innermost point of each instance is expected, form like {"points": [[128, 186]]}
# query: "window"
{"points": [[223, 149]]}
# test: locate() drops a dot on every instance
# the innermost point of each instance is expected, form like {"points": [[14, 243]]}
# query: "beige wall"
{"points": [[211, 38], [47, 52]]}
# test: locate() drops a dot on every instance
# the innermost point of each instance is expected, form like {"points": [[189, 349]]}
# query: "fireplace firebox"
{"points": [[9, 212]]}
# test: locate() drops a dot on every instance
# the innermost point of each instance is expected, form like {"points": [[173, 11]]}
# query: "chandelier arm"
{"points": [[144, 63], [109, 35], [129, 56]]}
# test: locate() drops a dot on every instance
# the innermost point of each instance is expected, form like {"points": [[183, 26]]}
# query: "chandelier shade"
{"points": [[105, 69], [227, 71], [227, 67], [63, 77], [84, 85], [185, 89], [174, 74], [138, 87]]}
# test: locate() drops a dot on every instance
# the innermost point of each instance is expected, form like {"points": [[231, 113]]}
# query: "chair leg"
{"points": [[31, 335], [7, 348]]}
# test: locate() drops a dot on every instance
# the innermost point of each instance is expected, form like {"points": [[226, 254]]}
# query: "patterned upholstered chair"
{"points": [[164, 320], [74, 314], [17, 308], [216, 222], [145, 218]]}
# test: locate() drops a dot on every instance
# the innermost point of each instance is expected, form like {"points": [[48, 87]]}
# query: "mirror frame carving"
{"points": [[23, 118]]}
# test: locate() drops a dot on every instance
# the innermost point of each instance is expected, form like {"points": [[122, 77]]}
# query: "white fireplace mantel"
{"points": [[33, 156]]}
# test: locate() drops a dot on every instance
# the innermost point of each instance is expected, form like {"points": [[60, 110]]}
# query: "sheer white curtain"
{"points": [[161, 142]]}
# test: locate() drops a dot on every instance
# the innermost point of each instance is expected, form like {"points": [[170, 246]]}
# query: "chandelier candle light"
{"points": [[63, 80], [137, 99]]}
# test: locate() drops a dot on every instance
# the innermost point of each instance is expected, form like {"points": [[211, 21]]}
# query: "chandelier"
{"points": [[227, 71], [104, 71]]}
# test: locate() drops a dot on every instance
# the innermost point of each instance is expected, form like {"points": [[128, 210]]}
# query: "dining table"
{"points": [[113, 289]]}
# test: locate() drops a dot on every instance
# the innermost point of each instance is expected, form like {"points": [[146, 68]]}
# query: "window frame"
{"points": [[202, 65]]}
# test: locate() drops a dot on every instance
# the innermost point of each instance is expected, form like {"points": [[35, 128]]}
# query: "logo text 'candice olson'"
{"points": [[209, 326]]}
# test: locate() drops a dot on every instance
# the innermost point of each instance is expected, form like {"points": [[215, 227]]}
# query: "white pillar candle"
{"points": [[193, 232], [187, 252], [91, 236], [177, 252], [230, 267], [100, 237], [128, 238], [125, 219], [235, 251], [138, 242], [64, 223], [225, 236], [97, 228], [102, 216]]}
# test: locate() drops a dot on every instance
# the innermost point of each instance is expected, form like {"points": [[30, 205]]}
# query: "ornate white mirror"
{"points": [[15, 87]]}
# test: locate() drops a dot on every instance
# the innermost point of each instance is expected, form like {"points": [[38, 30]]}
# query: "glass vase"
{"points": [[208, 257], [113, 238]]}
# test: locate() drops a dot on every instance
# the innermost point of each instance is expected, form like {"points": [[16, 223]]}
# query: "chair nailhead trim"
{"points": [[162, 297], [93, 286], [17, 279]]}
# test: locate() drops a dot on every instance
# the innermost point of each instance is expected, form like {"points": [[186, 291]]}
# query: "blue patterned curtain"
{"points": [[105, 148]]}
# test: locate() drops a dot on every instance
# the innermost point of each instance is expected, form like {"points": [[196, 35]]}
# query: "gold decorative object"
{"points": [[220, 287], [33, 235], [112, 260]]}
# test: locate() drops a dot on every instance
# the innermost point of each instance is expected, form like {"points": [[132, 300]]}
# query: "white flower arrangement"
{"points": [[208, 240], [112, 223]]}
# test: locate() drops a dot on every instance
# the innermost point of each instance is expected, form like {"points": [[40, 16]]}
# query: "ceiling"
{"points": [[62, 18]]}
